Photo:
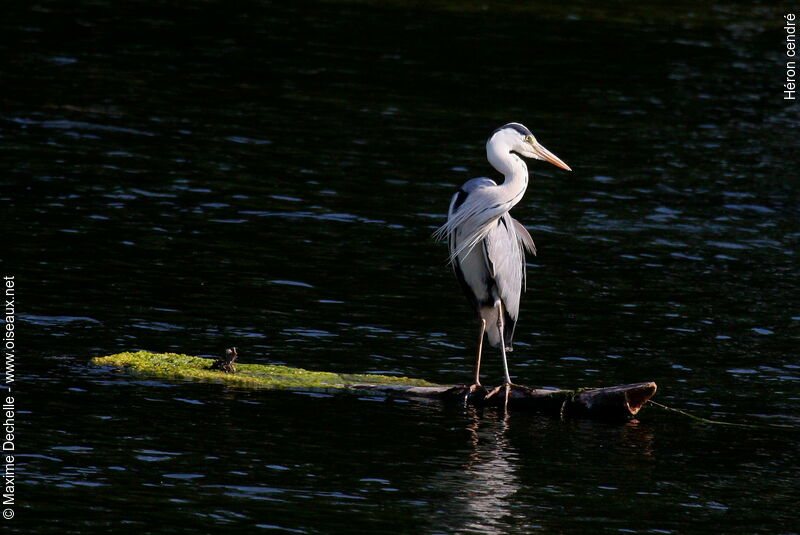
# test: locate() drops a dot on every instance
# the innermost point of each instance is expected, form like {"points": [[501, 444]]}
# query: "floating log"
{"points": [[177, 366], [621, 402], [610, 403]]}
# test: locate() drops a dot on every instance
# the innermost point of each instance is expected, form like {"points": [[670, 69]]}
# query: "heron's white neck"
{"points": [[513, 169]]}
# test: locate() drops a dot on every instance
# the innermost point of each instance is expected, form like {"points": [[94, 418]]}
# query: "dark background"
{"points": [[190, 176]]}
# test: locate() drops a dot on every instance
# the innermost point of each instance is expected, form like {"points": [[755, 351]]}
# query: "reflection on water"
{"points": [[484, 486], [188, 178]]}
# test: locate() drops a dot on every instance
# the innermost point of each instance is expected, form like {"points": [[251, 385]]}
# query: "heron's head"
{"points": [[517, 139]]}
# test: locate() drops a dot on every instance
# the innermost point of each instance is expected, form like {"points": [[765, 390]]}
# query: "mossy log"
{"points": [[616, 402], [176, 366]]}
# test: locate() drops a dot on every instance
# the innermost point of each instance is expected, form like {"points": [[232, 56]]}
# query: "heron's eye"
{"points": [[529, 139]]}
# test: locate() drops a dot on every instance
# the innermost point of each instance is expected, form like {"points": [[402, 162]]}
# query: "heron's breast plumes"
{"points": [[470, 222]]}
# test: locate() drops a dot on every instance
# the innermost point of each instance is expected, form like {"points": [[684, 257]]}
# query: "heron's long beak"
{"points": [[548, 156]]}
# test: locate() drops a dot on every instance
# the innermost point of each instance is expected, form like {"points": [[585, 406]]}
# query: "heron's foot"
{"points": [[505, 388]]}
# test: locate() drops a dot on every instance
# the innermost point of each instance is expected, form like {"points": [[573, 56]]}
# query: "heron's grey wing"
{"points": [[506, 262], [470, 269]]}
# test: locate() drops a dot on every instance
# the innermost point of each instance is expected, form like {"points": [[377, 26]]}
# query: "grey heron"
{"points": [[487, 245]]}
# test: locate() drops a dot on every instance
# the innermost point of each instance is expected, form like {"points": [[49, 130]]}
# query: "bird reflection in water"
{"points": [[494, 487], [484, 485]]}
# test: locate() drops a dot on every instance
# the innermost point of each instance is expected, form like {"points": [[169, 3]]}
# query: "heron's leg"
{"points": [[482, 330], [499, 305], [506, 386]]}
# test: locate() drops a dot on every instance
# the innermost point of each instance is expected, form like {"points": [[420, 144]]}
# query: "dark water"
{"points": [[187, 177]]}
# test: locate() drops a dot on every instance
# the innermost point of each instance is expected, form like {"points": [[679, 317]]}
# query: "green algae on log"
{"points": [[615, 402], [176, 366]]}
